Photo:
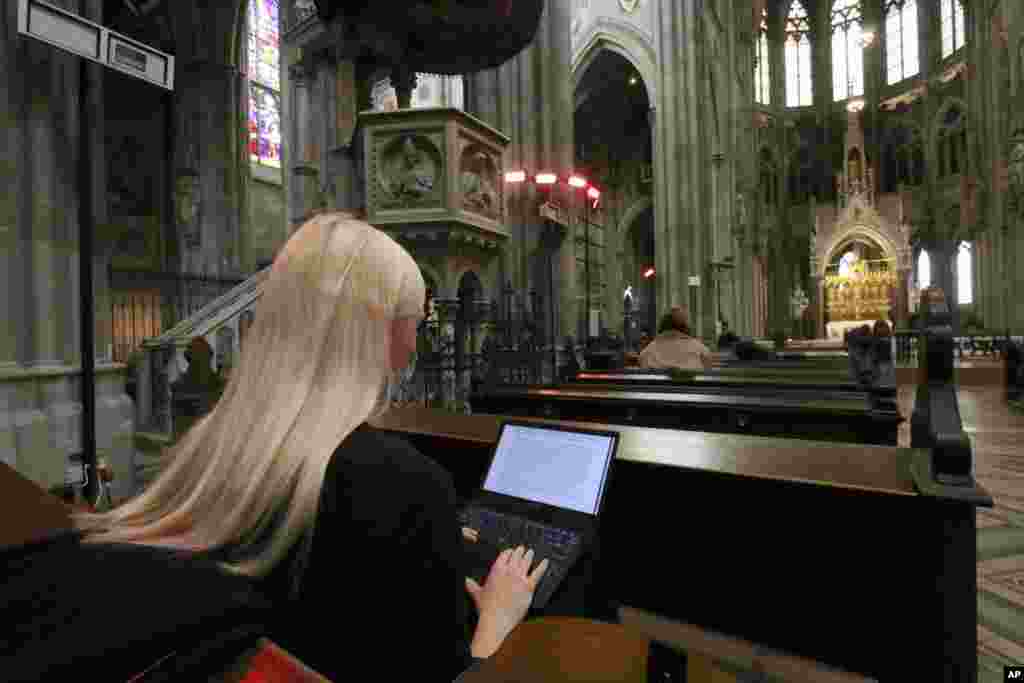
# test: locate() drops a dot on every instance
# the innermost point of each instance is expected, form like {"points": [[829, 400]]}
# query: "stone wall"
{"points": [[267, 221]]}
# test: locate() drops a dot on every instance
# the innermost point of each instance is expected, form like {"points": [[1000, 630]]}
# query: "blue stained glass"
{"points": [[264, 126], [264, 82], [264, 43]]}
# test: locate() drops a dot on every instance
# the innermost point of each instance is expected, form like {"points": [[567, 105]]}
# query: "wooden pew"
{"points": [[884, 394], [852, 556], [759, 411]]}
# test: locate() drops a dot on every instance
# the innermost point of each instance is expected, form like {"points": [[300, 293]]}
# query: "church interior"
{"points": [[831, 191]]}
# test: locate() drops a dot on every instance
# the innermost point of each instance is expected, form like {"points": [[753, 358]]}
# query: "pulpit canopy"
{"points": [[446, 36]]}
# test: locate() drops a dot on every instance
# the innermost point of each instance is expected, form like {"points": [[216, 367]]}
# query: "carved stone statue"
{"points": [[414, 173], [478, 192]]}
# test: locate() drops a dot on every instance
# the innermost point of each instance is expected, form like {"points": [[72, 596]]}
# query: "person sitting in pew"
{"points": [[674, 348], [352, 529]]}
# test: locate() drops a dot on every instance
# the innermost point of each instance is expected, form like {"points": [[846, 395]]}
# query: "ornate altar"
{"points": [[858, 294]]}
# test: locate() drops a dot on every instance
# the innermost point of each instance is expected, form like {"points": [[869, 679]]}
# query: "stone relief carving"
{"points": [[410, 172], [478, 179]]}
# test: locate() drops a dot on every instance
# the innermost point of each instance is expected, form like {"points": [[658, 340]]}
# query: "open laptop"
{"points": [[544, 489]]}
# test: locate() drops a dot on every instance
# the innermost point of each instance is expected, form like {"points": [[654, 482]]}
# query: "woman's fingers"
{"points": [[470, 534], [538, 573]]}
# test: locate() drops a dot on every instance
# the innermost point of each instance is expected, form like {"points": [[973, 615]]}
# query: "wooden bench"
{"points": [[884, 394], [759, 411], [848, 555]]}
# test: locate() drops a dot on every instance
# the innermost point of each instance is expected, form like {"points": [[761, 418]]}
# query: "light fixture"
{"points": [[649, 272], [545, 178], [577, 181], [515, 176], [632, 80], [855, 106]]}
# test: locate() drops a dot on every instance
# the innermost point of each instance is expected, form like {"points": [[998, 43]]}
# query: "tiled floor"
{"points": [[997, 433]]}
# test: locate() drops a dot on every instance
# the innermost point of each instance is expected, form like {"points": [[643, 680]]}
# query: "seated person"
{"points": [[674, 348], [353, 530], [882, 329]]}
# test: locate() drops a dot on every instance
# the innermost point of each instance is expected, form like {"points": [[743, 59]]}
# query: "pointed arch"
{"points": [[625, 41]]}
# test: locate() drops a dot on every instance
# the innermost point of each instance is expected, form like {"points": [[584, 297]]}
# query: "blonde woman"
{"points": [[286, 483]]}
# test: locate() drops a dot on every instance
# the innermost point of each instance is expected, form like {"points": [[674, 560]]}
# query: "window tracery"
{"points": [[799, 89]]}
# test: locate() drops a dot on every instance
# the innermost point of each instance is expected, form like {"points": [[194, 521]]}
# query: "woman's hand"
{"points": [[504, 598]]}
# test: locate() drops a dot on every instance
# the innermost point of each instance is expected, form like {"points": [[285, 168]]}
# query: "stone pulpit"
{"points": [[434, 182]]}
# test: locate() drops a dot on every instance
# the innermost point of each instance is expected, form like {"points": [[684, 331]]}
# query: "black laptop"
{"points": [[544, 490]]}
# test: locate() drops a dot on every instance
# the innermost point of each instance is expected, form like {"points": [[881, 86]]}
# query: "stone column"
{"points": [[206, 95], [819, 306], [529, 98], [304, 170]]}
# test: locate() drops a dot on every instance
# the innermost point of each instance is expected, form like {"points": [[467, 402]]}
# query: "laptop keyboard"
{"points": [[559, 546]]}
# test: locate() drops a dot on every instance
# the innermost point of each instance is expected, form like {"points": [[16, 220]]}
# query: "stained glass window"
{"points": [[901, 40], [847, 50], [762, 68], [952, 26], [264, 57], [798, 57]]}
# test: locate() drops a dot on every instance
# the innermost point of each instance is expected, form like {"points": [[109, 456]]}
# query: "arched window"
{"points": [[952, 26], [901, 40], [964, 275], [924, 270], [762, 66], [799, 92], [263, 64], [847, 51]]}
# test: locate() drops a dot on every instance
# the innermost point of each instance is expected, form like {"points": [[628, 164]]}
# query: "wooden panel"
{"points": [[875, 468], [818, 550]]}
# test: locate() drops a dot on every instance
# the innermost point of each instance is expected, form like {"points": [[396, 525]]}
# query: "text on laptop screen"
{"points": [[551, 466]]}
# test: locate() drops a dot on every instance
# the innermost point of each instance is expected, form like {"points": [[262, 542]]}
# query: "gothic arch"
{"points": [[626, 41], [632, 213], [865, 233]]}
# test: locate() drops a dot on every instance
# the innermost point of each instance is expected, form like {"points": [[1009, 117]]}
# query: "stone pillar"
{"points": [[206, 94], [529, 98], [304, 171], [901, 314], [818, 301]]}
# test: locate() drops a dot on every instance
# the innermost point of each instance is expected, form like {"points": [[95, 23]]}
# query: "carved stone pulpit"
{"points": [[434, 182]]}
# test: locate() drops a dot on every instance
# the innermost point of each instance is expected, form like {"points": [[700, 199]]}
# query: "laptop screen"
{"points": [[560, 468]]}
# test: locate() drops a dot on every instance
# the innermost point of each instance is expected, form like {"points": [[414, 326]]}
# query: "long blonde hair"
{"points": [[315, 366]]}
